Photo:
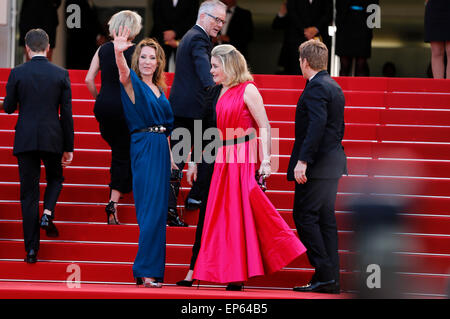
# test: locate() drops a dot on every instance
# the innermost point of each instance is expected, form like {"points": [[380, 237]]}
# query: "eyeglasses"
{"points": [[218, 20]]}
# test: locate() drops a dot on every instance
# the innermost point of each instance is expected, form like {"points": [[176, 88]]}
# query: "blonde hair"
{"points": [[233, 63], [158, 76], [316, 53], [127, 18]]}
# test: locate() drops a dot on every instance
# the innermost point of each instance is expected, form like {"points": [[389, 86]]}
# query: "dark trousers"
{"points": [[204, 181], [29, 173], [117, 135], [315, 220], [197, 190]]}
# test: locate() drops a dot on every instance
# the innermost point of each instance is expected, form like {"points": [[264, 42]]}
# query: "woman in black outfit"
{"points": [[437, 32], [108, 109], [353, 37]]}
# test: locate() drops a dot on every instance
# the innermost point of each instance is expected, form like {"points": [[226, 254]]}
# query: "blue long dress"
{"points": [[150, 164]]}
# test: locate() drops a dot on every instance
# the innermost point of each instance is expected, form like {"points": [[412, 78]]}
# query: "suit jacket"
{"points": [[193, 77], [43, 93], [319, 129], [167, 17], [240, 30]]}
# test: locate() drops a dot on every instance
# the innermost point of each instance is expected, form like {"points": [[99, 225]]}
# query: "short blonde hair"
{"points": [[127, 18], [158, 76], [316, 53], [233, 63]]}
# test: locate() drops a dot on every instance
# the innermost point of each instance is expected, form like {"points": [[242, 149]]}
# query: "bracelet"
{"points": [[265, 161]]}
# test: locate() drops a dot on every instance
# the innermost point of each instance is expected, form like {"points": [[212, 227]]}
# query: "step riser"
{"points": [[127, 215], [182, 255], [185, 236], [123, 274]]}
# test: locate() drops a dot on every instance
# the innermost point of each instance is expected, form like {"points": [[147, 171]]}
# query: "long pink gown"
{"points": [[243, 235]]}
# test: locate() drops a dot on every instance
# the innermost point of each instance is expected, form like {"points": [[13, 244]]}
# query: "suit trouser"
{"points": [[29, 173], [197, 190], [315, 220]]}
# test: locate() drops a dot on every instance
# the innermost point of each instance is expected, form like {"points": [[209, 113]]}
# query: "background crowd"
{"points": [[299, 20]]}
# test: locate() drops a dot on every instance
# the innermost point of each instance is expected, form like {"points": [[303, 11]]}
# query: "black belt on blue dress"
{"points": [[239, 140], [151, 129]]}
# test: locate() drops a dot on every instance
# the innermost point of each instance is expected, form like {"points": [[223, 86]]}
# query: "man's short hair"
{"points": [[316, 53], [37, 40], [209, 5]]}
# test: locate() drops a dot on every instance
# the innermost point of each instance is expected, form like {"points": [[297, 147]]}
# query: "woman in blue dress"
{"points": [[149, 118]]}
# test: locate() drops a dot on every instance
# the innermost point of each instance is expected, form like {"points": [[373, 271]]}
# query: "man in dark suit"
{"points": [[42, 90], [316, 164], [191, 81], [171, 20], [238, 28], [301, 21]]}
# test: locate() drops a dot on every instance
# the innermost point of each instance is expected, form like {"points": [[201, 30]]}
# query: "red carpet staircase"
{"points": [[397, 136]]}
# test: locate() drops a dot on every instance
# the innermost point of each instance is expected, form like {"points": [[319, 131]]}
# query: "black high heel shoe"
{"points": [[111, 210], [185, 283], [234, 287], [139, 281]]}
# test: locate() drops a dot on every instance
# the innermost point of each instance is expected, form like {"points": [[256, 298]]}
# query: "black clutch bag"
{"points": [[261, 180], [176, 175]]}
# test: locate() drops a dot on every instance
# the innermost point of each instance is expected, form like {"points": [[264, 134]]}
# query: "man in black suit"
{"points": [[171, 20], [42, 90], [191, 81], [316, 164], [301, 21], [238, 28]]}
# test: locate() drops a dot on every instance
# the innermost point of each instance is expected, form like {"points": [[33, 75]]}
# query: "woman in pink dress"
{"points": [[243, 235]]}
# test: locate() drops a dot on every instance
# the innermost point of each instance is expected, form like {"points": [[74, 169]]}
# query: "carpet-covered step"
{"points": [[409, 222], [377, 132], [346, 220], [358, 127], [386, 149], [295, 82], [181, 255], [121, 274], [90, 148], [414, 243], [116, 233], [367, 115], [356, 166], [280, 199], [278, 182], [127, 215]]}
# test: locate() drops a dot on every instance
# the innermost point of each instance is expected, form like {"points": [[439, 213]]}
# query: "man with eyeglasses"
{"points": [[187, 96]]}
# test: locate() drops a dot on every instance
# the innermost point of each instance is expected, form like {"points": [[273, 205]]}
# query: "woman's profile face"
{"points": [[217, 71], [147, 61]]}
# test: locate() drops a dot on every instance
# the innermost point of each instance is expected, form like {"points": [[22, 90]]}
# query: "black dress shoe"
{"points": [[317, 286], [174, 220], [234, 287], [192, 204], [31, 257], [49, 227]]}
